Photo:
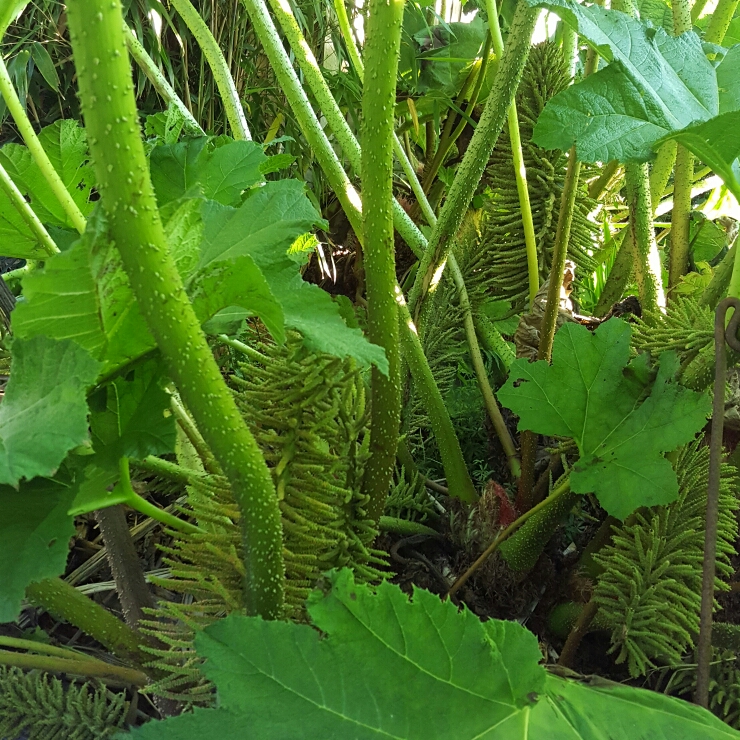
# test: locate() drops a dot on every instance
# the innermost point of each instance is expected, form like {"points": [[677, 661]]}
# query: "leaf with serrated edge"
{"points": [[602, 710], [44, 412], [129, 417], [586, 395], [83, 294], [264, 227], [136, 420], [236, 282], [386, 668], [65, 144], [95, 489], [655, 84], [288, 682], [717, 144], [231, 169], [35, 531], [192, 167], [60, 301]]}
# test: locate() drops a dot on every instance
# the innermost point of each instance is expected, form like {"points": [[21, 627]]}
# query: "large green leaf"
{"points": [[184, 232], [236, 282], [657, 12], [65, 144], [127, 335], [16, 237], [386, 668], [621, 432], [268, 222], [717, 144], [449, 49], [35, 531], [44, 412], [130, 417], [60, 301], [264, 227], [596, 709], [194, 167], [83, 294], [654, 84]]}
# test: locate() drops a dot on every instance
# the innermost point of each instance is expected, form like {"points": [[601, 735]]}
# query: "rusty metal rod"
{"points": [[704, 645]]}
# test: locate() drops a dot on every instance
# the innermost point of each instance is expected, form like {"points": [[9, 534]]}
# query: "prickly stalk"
{"points": [[479, 151], [378, 105], [111, 119]]}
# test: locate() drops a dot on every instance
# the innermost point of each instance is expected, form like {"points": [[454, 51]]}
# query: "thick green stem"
{"points": [[382, 47], [661, 171], [158, 80], [219, 68], [165, 469], [621, 270], [681, 16], [642, 233], [648, 271], [520, 171], [720, 21], [314, 78], [66, 603], [570, 48], [76, 219], [87, 667], [479, 151], [452, 459], [306, 117], [492, 340], [27, 213], [490, 400], [559, 254], [599, 185], [309, 124], [417, 244], [697, 8], [475, 353], [682, 178], [458, 479], [111, 118], [680, 216]]}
